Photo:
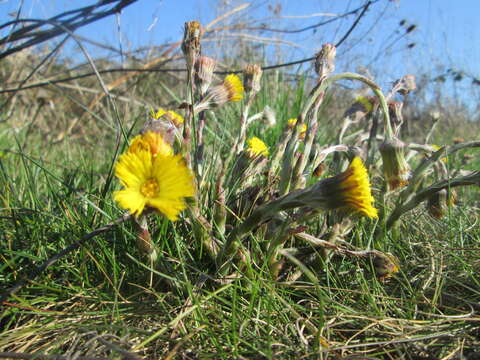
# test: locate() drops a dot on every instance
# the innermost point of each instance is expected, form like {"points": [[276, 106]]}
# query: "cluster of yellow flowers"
{"points": [[154, 177]]}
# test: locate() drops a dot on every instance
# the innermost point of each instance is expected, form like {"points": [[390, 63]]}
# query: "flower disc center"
{"points": [[150, 188]]}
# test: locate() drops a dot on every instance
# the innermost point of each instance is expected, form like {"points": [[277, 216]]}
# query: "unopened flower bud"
{"points": [[191, 42], [439, 202], [395, 167], [252, 76], [385, 265], [204, 67], [435, 115], [319, 170], [325, 60]]}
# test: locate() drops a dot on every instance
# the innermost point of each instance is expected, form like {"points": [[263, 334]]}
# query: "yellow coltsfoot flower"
{"points": [[256, 147], [234, 87], [169, 115], [231, 90], [151, 142], [350, 190], [161, 182]]}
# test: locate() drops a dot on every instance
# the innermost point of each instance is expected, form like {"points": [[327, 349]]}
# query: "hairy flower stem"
{"points": [[352, 76], [200, 147], [311, 196], [310, 138], [287, 168], [188, 141]]}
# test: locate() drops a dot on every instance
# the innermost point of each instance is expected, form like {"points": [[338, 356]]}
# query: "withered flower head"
{"points": [[325, 60], [191, 42], [252, 76], [164, 123], [204, 67], [395, 167]]}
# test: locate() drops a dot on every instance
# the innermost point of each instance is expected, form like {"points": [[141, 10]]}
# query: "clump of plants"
{"points": [[279, 194]]}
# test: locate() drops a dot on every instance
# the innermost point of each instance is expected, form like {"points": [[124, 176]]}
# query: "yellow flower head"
{"points": [[351, 190], [367, 104], [151, 142], [170, 115], [303, 127], [162, 182], [256, 147], [234, 87]]}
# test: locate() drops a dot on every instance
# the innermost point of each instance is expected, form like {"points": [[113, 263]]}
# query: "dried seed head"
{"points": [[395, 167], [191, 42], [204, 67], [325, 60], [252, 76], [458, 140]]}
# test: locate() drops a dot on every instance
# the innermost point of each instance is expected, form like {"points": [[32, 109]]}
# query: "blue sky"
{"points": [[446, 35]]}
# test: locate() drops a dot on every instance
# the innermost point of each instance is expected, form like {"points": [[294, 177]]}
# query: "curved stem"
{"points": [[353, 76]]}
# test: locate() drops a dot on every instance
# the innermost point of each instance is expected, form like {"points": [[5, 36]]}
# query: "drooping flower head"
{"points": [[231, 90], [204, 67], [151, 142], [350, 190], [161, 182], [252, 75], [395, 167], [256, 147]]}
